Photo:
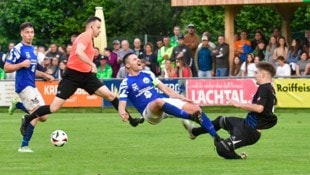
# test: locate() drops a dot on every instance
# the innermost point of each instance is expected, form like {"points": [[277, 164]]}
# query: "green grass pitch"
{"points": [[101, 144]]}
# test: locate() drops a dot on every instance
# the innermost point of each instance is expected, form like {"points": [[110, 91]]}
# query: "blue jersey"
{"points": [[24, 76], [140, 89]]}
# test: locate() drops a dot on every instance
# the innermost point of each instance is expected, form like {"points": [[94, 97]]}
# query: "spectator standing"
{"points": [[11, 75], [294, 51], [159, 44], [104, 70], [248, 67], [174, 39], [243, 46], [272, 45], [276, 32], [281, 49], [112, 61], [116, 46], [191, 39], [62, 68], [211, 44], [204, 59], [283, 69], [257, 38], [164, 53], [54, 67], [182, 51], [122, 72], [150, 58], [53, 52], [221, 55], [97, 56], [124, 50], [40, 50], [138, 50]]}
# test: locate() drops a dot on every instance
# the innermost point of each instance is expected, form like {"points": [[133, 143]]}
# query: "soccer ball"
{"points": [[59, 138]]}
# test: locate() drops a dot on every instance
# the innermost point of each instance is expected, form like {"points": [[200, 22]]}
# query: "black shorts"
{"points": [[240, 133], [73, 79]]}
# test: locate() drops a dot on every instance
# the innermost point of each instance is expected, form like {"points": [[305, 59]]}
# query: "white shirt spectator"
{"points": [[283, 70], [251, 68]]}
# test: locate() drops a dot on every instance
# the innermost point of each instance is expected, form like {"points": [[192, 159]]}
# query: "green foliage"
{"points": [[252, 17], [209, 19], [56, 20]]}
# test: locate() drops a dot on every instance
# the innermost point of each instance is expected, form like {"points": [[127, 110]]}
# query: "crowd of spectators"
{"points": [[187, 55]]}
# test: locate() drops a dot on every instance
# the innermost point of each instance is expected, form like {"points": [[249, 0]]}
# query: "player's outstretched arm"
{"points": [[170, 92], [122, 110], [247, 106], [44, 75]]}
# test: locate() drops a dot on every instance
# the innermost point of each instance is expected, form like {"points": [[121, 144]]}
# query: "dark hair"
{"points": [[295, 49], [263, 65], [25, 25], [281, 58], [108, 49], [149, 44], [92, 19], [236, 67], [126, 57]]}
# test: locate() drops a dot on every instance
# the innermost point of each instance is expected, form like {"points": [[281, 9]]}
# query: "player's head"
{"points": [[265, 72], [94, 23], [27, 32], [132, 62]]}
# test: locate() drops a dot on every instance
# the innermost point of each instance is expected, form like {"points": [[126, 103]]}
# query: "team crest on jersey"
{"points": [[135, 87], [28, 56], [146, 80]]}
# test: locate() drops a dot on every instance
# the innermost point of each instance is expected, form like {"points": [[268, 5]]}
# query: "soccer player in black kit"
{"points": [[245, 131]]}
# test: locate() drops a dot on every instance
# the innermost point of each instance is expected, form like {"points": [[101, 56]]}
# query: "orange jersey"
{"points": [[74, 62], [239, 44]]}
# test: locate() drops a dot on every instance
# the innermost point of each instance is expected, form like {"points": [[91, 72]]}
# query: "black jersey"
{"points": [[265, 95]]}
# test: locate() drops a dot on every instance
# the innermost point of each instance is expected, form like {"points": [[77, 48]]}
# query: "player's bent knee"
{"points": [[43, 118]]}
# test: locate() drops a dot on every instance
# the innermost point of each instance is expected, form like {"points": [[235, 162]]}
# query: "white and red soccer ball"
{"points": [[59, 138]]}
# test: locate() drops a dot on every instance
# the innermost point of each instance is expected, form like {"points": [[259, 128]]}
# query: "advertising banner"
{"points": [[7, 92], [292, 93], [215, 92], [79, 99]]}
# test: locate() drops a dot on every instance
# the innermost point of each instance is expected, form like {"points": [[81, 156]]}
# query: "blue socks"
{"points": [[173, 110], [207, 125], [20, 105], [28, 135]]}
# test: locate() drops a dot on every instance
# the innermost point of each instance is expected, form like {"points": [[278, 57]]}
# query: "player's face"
{"points": [[96, 27], [259, 74], [135, 63], [27, 34]]}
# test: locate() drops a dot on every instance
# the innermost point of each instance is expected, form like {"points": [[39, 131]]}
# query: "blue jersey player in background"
{"points": [[139, 88], [23, 60]]}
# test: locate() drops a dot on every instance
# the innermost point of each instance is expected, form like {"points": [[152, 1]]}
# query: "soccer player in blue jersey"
{"points": [[139, 88], [246, 131], [23, 60]]}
